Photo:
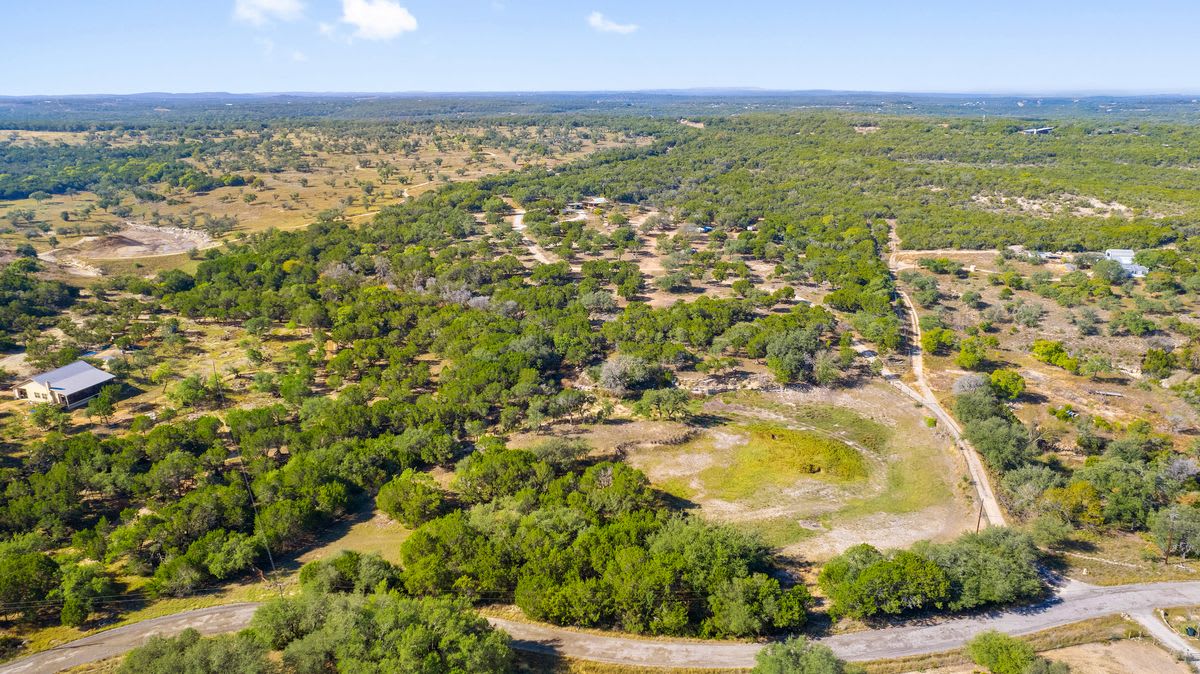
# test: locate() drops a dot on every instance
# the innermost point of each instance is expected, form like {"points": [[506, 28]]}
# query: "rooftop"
{"points": [[74, 377]]}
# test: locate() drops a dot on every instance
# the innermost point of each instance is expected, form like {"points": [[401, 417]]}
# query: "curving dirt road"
{"points": [[1072, 603], [535, 250], [979, 475]]}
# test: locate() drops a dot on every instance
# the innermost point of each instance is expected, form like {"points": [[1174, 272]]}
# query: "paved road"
{"points": [[1169, 638], [1073, 602], [214, 620]]}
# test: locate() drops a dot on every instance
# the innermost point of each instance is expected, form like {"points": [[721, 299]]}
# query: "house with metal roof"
{"points": [[70, 385], [1124, 257]]}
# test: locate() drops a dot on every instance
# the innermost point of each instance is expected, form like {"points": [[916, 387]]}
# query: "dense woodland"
{"points": [[358, 313]]}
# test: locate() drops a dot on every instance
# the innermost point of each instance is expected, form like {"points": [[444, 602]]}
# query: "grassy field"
{"points": [[368, 532], [775, 456], [818, 471]]}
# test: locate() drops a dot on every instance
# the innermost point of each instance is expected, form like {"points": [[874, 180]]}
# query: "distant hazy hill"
{"points": [[146, 108]]}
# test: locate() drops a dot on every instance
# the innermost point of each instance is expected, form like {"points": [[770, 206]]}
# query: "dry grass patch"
{"points": [[1100, 630], [1115, 558], [538, 663]]}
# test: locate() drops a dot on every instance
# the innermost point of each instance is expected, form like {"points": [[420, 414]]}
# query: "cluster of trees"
{"points": [[997, 566], [27, 301], [323, 632], [56, 169], [353, 614], [764, 194], [1132, 482], [170, 504], [594, 546], [1054, 353], [40, 587]]}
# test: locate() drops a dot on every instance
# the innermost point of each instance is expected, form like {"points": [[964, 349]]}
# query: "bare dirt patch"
{"points": [[138, 240], [1128, 656], [1064, 204]]}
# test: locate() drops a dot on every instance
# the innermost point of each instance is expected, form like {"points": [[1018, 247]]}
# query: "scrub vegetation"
{"points": [[465, 355]]}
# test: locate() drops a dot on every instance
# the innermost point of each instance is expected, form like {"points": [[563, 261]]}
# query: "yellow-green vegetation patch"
{"points": [[379, 535], [848, 423], [909, 488], [679, 487], [829, 418], [780, 531], [776, 456]]}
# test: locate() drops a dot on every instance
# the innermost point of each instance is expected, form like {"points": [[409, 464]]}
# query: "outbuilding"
{"points": [[69, 386]]}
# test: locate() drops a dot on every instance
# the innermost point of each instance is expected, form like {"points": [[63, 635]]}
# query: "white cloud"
{"points": [[267, 44], [299, 56], [259, 12], [605, 25], [377, 19]]}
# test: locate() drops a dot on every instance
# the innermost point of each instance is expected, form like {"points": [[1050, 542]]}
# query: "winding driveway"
{"points": [[1073, 602], [979, 476]]}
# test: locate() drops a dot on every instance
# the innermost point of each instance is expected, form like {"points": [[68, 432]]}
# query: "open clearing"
{"points": [[138, 240], [817, 471], [1128, 656]]}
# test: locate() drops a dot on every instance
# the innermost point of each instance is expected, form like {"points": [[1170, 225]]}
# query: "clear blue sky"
{"points": [[126, 46]]}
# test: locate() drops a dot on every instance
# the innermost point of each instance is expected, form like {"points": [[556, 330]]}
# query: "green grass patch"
{"points": [[679, 487], [909, 489], [779, 532], [870, 434], [830, 418], [776, 456]]}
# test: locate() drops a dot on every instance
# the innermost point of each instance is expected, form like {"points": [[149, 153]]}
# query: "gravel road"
{"points": [[1072, 603]]}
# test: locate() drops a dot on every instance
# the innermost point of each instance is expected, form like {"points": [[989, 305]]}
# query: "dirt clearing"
{"points": [[1129, 656], [138, 240], [816, 471]]}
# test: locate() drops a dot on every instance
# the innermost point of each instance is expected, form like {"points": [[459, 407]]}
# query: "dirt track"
{"points": [[979, 475]]}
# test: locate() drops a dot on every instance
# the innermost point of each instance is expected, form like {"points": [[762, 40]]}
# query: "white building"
{"points": [[70, 385], [1124, 257]]}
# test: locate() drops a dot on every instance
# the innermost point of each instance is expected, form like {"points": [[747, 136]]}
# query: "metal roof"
{"points": [[74, 377]]}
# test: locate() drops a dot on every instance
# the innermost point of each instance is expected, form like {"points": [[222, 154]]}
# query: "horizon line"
{"points": [[693, 91]]}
